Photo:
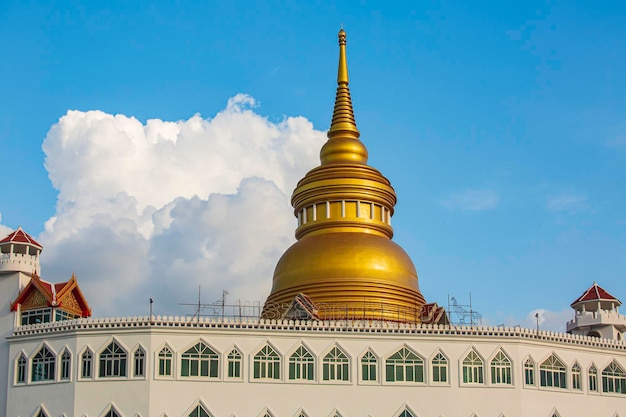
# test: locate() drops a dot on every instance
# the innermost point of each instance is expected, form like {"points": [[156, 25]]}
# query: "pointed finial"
{"points": [[343, 144]]}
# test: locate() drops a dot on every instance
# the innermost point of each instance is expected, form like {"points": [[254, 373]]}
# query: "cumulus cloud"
{"points": [[154, 210], [567, 202], [4, 230], [471, 199], [548, 319]]}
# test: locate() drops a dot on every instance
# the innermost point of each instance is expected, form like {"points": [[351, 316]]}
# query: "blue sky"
{"points": [[501, 126]]}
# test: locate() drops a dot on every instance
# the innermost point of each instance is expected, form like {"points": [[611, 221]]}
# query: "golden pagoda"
{"points": [[344, 260]]}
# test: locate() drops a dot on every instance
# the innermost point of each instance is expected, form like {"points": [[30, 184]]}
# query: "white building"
{"points": [[399, 360]]}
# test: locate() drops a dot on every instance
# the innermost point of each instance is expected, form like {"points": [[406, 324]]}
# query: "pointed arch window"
{"points": [[112, 413], [473, 369], [529, 372], [552, 373], [66, 360], [165, 361], [20, 369], [41, 413], [200, 360], [593, 379], [86, 364], [301, 365], [336, 366], [199, 411], [406, 413], [369, 365], [113, 361], [576, 377], [404, 366], [267, 364], [234, 364], [501, 369], [614, 379], [139, 359], [440, 368], [43, 365]]}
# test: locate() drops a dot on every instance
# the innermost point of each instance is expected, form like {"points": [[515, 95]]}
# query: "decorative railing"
{"points": [[350, 326]]}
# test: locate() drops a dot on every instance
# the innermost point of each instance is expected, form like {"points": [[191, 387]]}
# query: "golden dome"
{"points": [[344, 259]]}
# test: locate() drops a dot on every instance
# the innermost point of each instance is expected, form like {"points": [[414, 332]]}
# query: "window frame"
{"points": [[205, 359], [400, 362], [576, 377], [266, 364], [113, 364], [46, 364], [65, 367], [592, 380], [530, 371], [234, 364], [301, 365], [21, 369], [165, 361], [553, 372], [90, 361], [439, 365], [369, 361], [500, 373], [336, 366], [615, 377], [139, 363], [472, 369]]}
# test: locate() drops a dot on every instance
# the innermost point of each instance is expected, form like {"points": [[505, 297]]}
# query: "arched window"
{"points": [[43, 365], [41, 413], [529, 372], [199, 360], [593, 379], [369, 363], [473, 369], [86, 365], [20, 370], [165, 361], [440, 368], [404, 366], [139, 360], [113, 361], [234, 364], [406, 413], [501, 369], [576, 378], [552, 373], [112, 412], [66, 360], [301, 365], [614, 379], [336, 366], [267, 364], [199, 411]]}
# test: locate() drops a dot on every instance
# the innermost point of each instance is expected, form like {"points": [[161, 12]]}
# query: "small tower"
{"points": [[19, 261], [19, 253], [597, 314]]}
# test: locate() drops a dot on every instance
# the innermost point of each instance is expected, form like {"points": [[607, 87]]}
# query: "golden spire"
{"points": [[343, 144]]}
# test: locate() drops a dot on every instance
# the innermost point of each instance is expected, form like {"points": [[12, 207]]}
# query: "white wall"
{"points": [[150, 397]]}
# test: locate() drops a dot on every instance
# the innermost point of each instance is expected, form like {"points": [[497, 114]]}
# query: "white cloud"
{"points": [[548, 319], [4, 230], [567, 202], [156, 209], [472, 199]]}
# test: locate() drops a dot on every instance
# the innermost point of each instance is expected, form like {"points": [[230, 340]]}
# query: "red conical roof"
{"points": [[595, 293], [20, 236]]}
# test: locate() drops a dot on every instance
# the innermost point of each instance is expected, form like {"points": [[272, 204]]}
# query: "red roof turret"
{"points": [[20, 236], [596, 293]]}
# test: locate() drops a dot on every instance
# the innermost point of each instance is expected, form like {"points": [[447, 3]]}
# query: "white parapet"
{"points": [[19, 262]]}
